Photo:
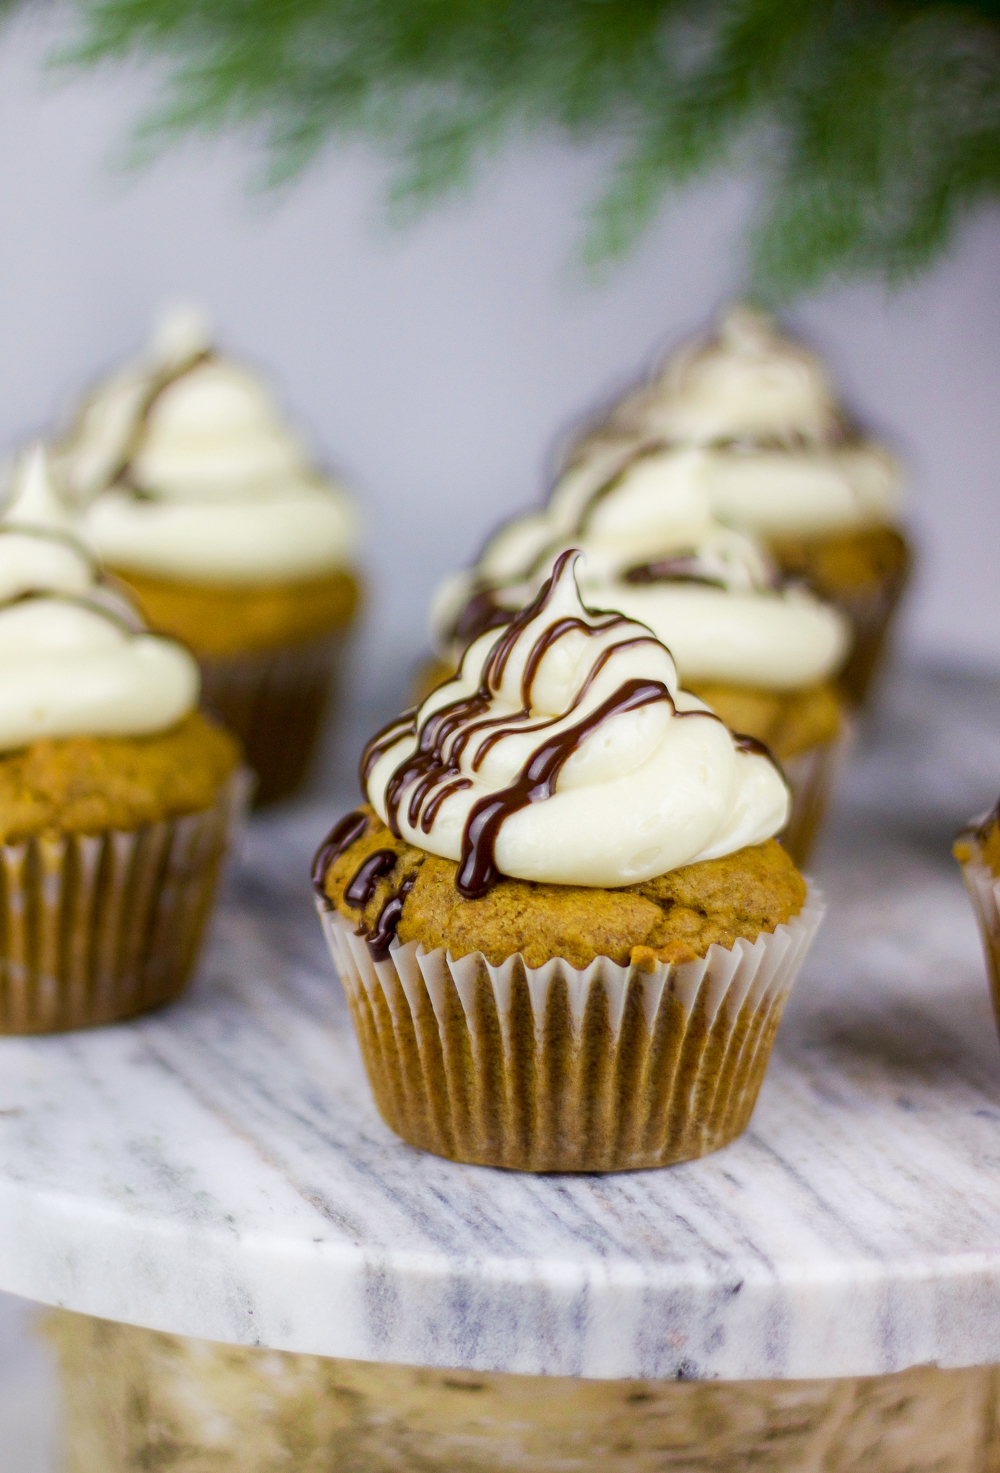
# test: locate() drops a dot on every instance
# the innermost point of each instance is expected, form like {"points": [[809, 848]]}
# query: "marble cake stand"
{"points": [[218, 1170]]}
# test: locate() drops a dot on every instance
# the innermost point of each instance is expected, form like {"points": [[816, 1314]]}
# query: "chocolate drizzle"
{"points": [[340, 838], [463, 729], [686, 568], [480, 612], [484, 610], [122, 475], [432, 773], [386, 926], [365, 881], [477, 870], [754, 748]]}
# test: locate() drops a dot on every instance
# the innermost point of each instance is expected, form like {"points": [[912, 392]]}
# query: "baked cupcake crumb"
{"points": [[675, 917], [90, 784]]}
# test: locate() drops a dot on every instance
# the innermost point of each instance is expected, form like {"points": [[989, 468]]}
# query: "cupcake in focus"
{"points": [[116, 795], [977, 849], [785, 462], [198, 496], [563, 924], [762, 654]]}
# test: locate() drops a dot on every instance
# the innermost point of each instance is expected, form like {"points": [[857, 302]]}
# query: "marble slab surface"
{"points": [[219, 1169]]}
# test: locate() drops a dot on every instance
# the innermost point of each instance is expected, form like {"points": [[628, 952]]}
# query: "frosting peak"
{"points": [[748, 380], [180, 333], [213, 432], [655, 552], [74, 657], [191, 472], [784, 456], [564, 751], [32, 498]]}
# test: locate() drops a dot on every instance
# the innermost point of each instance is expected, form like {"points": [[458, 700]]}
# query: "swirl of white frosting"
{"points": [[565, 751], [74, 658], [781, 459], [747, 380], [655, 552], [191, 473]]}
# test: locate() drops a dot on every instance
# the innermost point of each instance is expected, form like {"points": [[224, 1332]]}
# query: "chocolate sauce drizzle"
{"points": [[432, 772], [387, 924], [686, 568], [122, 475], [365, 881], [344, 833], [483, 609], [477, 870]]}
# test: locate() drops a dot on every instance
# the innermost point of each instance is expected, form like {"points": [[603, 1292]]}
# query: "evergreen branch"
{"points": [[881, 118]]}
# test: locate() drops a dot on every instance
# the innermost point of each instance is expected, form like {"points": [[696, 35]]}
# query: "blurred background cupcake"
{"points": [[199, 497], [762, 653], [116, 795], [977, 849], [785, 461]]}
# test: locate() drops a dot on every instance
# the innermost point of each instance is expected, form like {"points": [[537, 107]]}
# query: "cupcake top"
{"points": [[784, 457], [655, 552], [565, 752], [75, 659], [186, 469]]}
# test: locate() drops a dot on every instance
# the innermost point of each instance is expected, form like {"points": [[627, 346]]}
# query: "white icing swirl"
{"points": [[564, 751], [781, 456], [74, 657], [746, 381], [655, 552], [191, 473]]}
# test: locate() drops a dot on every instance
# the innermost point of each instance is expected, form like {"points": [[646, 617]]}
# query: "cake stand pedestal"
{"points": [[324, 1297]]}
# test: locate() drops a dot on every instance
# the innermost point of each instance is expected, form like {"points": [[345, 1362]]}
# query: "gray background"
{"points": [[437, 367]]}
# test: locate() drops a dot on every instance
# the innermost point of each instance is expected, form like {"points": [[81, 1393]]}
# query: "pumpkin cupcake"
{"points": [[761, 652], [205, 504], [116, 795], [977, 849], [561, 919], [785, 462]]}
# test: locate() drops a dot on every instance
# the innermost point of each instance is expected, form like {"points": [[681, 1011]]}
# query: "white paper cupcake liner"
{"points": [[811, 776], [552, 1069], [871, 610], [97, 927], [275, 701], [984, 892]]}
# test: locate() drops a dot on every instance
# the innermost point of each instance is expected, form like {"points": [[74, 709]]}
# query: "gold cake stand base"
{"points": [[140, 1400]]}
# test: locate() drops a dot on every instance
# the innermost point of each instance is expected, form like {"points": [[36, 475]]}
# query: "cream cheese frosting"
{"points": [[783, 457], [75, 659], [654, 552], [186, 470], [565, 751]]}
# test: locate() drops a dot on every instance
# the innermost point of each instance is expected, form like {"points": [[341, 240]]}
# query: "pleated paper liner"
{"points": [[275, 701], [552, 1069], [97, 927], [984, 892], [871, 610], [811, 777]]}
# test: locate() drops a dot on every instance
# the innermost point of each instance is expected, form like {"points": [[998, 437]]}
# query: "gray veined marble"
{"points": [[219, 1170]]}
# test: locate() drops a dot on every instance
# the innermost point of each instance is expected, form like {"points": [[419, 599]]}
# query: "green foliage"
{"points": [[875, 124]]}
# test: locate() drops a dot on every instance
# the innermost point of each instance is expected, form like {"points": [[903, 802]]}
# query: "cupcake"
{"points": [[116, 795], [761, 652], [785, 462], [977, 849], [563, 924], [204, 503]]}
